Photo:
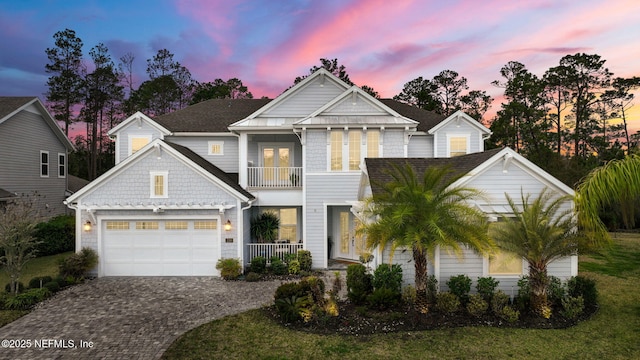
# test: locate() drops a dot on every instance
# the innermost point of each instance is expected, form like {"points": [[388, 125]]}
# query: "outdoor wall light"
{"points": [[227, 226], [87, 226]]}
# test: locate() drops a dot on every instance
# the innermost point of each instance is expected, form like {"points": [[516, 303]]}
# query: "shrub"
{"points": [[359, 283], [300, 300], [7, 288], [432, 288], [498, 302], [252, 277], [27, 299], [409, 295], [294, 267], [314, 286], [229, 268], [61, 281], [522, 300], [39, 281], [509, 314], [278, 267], [52, 286], [288, 290], [388, 276], [292, 308], [555, 291], [477, 305], [259, 265], [304, 257], [447, 303], [56, 235], [77, 265], [337, 283], [383, 298], [572, 307], [290, 257], [460, 286], [486, 287], [585, 287]]}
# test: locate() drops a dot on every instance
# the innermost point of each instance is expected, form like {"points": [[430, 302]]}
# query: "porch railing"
{"points": [[275, 177], [269, 250]]}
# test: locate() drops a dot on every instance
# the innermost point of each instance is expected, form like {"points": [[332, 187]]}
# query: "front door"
{"points": [[350, 244]]}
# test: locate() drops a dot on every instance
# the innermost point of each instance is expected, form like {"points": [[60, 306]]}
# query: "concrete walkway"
{"points": [[127, 318]]}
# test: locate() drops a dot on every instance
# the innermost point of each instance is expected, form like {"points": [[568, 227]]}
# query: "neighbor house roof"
{"points": [[212, 169], [378, 169], [75, 183], [6, 195]]}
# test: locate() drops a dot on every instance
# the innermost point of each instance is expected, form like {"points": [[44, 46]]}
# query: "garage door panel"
{"points": [[172, 252]]}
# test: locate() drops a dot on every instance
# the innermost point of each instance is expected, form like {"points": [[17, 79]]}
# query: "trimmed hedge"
{"points": [[56, 235]]}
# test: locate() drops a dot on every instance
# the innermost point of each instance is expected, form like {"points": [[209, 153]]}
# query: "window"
{"points": [[117, 225], [175, 225], [288, 229], [146, 225], [44, 163], [205, 225], [347, 154], [458, 145], [336, 150], [138, 142], [504, 263], [216, 147], [159, 184], [62, 165]]}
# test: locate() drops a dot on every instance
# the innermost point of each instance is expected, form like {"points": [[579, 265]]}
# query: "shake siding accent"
{"points": [[330, 189], [347, 106], [133, 130], [452, 129], [316, 151], [393, 145], [421, 146], [228, 162], [307, 100], [229, 250], [22, 137]]}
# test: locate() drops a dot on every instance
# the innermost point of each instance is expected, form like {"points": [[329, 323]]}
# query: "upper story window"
{"points": [[159, 184], [137, 142], [457, 145], [216, 147], [348, 155], [62, 165], [44, 163]]}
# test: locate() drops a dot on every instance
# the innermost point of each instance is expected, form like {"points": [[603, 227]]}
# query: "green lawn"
{"points": [[612, 333], [42, 266]]}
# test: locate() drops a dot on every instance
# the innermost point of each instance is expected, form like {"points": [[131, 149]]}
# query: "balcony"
{"points": [[275, 177]]}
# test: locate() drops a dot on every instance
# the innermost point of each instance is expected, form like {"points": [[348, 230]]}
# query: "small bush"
{"points": [[7, 288], [572, 307], [300, 300], [252, 277], [477, 305], [383, 298], [27, 299], [61, 281], [230, 268], [292, 308], [314, 286], [509, 314], [337, 283], [359, 283], [77, 265], [38, 282], [460, 286], [486, 287], [498, 302], [432, 289], [289, 290], [522, 300], [585, 287], [56, 235], [259, 265], [304, 257], [388, 276], [290, 257], [555, 291], [447, 303], [409, 295], [278, 267], [52, 286], [294, 267]]}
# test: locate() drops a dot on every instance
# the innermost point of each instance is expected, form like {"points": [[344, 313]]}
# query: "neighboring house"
{"points": [[187, 184], [34, 153]]}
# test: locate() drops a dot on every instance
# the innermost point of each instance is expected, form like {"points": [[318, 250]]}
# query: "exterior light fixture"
{"points": [[227, 226], [87, 226]]}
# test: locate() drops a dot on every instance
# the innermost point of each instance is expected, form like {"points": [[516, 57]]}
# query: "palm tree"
{"points": [[422, 214], [539, 233], [618, 182]]}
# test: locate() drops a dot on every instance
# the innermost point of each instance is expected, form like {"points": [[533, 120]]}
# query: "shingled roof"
{"points": [[378, 169], [213, 115], [212, 169], [426, 119]]}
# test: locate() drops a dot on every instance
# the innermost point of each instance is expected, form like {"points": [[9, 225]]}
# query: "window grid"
{"points": [[457, 146], [205, 225], [216, 147], [146, 225], [158, 186], [175, 225], [355, 147], [373, 143], [62, 165], [44, 163], [117, 225], [336, 150]]}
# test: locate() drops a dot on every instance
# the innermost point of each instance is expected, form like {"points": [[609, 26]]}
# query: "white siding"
{"points": [[468, 263], [306, 100], [421, 146], [228, 162], [454, 129]]}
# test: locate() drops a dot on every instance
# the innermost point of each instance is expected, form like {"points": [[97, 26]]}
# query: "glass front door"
{"points": [[276, 162], [351, 245]]}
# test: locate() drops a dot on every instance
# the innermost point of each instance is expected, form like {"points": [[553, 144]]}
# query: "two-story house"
{"points": [[34, 153], [186, 185]]}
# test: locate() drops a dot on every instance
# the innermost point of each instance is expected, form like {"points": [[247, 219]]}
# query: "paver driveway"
{"points": [[128, 318]]}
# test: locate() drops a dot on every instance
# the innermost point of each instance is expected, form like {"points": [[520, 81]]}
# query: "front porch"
{"points": [[280, 249]]}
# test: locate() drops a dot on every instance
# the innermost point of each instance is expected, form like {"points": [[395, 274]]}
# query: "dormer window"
{"points": [[457, 145], [137, 142]]}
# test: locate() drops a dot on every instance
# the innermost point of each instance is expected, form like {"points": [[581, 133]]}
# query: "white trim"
{"points": [[64, 167], [138, 116], [152, 183], [457, 116], [275, 145], [216, 142], [42, 163], [467, 136]]}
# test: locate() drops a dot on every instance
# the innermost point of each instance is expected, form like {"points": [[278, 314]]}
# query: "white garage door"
{"points": [[159, 248]]}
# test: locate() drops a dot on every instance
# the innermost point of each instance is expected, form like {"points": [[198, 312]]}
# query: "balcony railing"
{"points": [[275, 177], [268, 250]]}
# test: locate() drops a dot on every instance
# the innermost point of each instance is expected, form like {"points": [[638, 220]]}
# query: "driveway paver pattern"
{"points": [[128, 318]]}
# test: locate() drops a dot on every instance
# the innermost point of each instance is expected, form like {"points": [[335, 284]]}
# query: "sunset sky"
{"points": [[266, 44]]}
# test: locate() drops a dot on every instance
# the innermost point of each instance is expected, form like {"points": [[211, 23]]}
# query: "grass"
{"points": [[612, 333], [42, 266]]}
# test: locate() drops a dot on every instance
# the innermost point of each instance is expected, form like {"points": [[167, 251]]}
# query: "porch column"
{"points": [[242, 154]]}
